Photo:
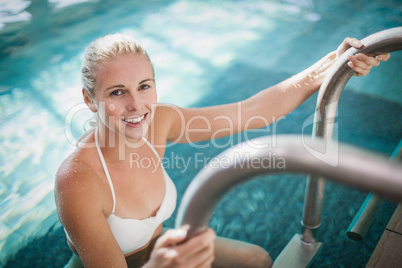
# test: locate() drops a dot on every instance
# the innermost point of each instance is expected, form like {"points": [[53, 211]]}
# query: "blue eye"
{"points": [[144, 87], [116, 93]]}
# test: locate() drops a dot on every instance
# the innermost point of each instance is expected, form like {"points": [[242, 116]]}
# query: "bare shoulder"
{"points": [[80, 167], [84, 202], [79, 185], [74, 170]]}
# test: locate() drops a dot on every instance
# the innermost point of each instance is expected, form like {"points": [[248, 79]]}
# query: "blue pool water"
{"points": [[205, 53]]}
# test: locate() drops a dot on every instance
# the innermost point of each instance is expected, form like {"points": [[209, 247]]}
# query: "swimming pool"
{"points": [[222, 51]]}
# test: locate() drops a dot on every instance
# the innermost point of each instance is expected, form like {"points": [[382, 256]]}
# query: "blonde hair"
{"points": [[102, 50]]}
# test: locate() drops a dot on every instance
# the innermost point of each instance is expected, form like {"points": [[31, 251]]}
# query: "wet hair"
{"points": [[103, 50]]}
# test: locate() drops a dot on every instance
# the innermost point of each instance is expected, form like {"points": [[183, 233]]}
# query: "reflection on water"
{"points": [[193, 45], [13, 11]]}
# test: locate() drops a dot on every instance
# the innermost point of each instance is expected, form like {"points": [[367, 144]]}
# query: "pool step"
{"points": [[388, 252], [297, 254]]}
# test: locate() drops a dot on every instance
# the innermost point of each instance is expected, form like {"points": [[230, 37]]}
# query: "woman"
{"points": [[113, 210]]}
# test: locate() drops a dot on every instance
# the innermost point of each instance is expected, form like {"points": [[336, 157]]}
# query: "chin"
{"points": [[137, 134]]}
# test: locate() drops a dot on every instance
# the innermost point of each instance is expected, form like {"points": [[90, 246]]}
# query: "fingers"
{"points": [[347, 43], [204, 257], [383, 57], [370, 60], [171, 238], [198, 251], [364, 60], [353, 42], [362, 64], [196, 244], [356, 43]]}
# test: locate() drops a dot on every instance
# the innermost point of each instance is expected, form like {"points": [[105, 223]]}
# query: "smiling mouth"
{"points": [[134, 120]]}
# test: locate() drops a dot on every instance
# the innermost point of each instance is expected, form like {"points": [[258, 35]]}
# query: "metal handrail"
{"points": [[292, 153], [363, 219], [349, 166], [385, 41]]}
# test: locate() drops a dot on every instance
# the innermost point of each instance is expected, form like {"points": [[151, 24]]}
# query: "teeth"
{"points": [[134, 120]]}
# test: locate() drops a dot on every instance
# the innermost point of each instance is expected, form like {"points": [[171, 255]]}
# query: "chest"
{"points": [[139, 185]]}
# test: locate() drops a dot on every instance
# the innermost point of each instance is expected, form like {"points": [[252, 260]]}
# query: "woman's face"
{"points": [[125, 95]]}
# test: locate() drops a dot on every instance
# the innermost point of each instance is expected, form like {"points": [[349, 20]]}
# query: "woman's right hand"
{"points": [[198, 251]]}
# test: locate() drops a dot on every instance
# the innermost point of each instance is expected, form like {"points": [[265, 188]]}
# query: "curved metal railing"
{"points": [[327, 101], [356, 167]]}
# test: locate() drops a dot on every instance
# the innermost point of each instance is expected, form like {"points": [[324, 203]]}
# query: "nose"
{"points": [[133, 103]]}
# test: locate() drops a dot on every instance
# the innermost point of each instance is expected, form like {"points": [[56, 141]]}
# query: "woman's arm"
{"points": [[186, 125], [80, 209]]}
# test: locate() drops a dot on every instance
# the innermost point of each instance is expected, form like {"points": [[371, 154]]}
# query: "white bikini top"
{"points": [[132, 234]]}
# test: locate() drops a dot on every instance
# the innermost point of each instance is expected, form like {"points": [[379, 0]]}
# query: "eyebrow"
{"points": [[122, 86], [115, 86], [146, 80]]}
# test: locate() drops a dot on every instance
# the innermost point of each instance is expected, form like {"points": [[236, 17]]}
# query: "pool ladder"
{"points": [[364, 217], [317, 155]]}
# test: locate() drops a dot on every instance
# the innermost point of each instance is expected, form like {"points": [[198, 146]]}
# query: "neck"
{"points": [[116, 146]]}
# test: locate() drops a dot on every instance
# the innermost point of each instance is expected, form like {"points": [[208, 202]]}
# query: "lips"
{"points": [[134, 120]]}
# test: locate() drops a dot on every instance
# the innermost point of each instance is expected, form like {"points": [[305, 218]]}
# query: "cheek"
{"points": [[151, 106], [155, 97], [151, 101], [109, 109]]}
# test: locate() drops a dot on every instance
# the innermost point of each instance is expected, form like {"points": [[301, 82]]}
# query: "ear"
{"points": [[88, 101]]}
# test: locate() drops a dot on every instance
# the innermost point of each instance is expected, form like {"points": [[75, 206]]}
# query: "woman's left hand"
{"points": [[360, 62]]}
